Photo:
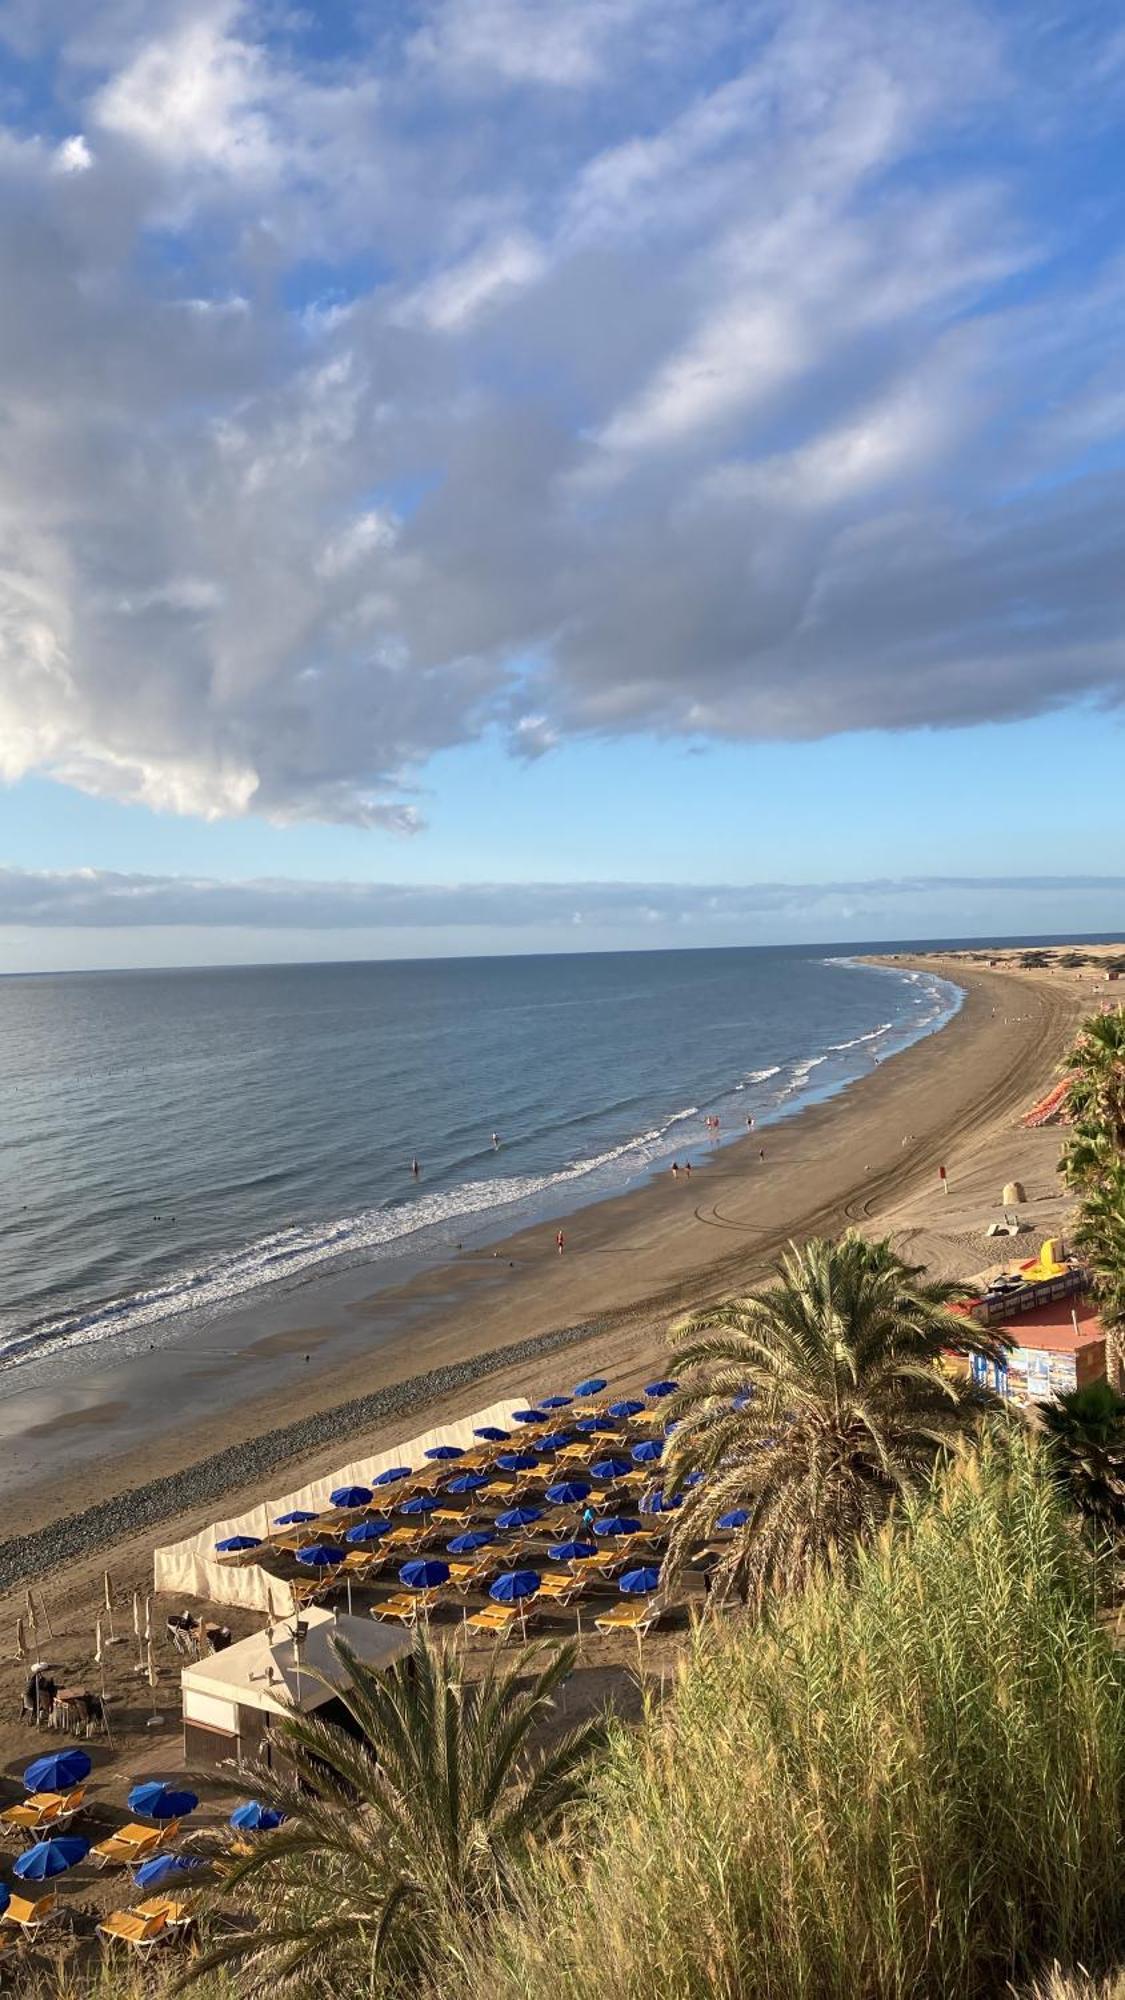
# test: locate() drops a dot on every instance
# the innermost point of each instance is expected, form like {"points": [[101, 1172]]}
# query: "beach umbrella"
{"points": [[423, 1575], [235, 1542], [254, 1817], [422, 1503], [51, 1857], [616, 1524], [468, 1544], [58, 1771], [514, 1585], [5, 1897], [367, 1531], [517, 1461], [639, 1582], [393, 1473], [658, 1389], [555, 1402], [291, 1520], [492, 1434], [657, 1502], [694, 1479], [648, 1451], [322, 1555], [568, 1493], [554, 1441], [571, 1552], [586, 1424], [607, 1425], [528, 1417], [519, 1517], [593, 1386], [445, 1451], [467, 1482], [743, 1399], [736, 1518], [351, 1496], [154, 1800], [628, 1407], [165, 1867], [610, 1468]]}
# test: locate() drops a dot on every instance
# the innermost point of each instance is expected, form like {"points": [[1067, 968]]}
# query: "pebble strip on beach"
{"points": [[28, 1557]]}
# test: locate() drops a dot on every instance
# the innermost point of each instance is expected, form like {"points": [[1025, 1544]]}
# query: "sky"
{"points": [[496, 475]]}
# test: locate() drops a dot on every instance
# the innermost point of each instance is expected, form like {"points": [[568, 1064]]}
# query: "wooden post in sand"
{"points": [[21, 1647]]}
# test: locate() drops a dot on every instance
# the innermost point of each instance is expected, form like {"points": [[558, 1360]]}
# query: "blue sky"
{"points": [[668, 447]]}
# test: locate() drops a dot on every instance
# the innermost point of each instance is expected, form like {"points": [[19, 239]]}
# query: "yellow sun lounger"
{"points": [[638, 1618], [28, 1916], [129, 1927], [42, 1810], [561, 1589], [132, 1843], [177, 1911], [406, 1607]]}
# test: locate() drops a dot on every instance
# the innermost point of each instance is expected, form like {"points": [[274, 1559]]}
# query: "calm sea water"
{"points": [[173, 1141]]}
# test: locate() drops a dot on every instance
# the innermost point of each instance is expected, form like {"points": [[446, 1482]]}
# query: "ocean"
{"points": [[177, 1142]]}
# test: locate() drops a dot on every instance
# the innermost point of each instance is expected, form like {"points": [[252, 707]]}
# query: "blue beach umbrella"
{"points": [[423, 1575], [658, 1389], [367, 1531], [351, 1496], [518, 1461], [639, 1582], [492, 1434], [322, 1555], [519, 1517], [514, 1585], [743, 1399], [593, 1386], [555, 1402], [571, 1552], [165, 1867], [585, 1423], [235, 1542], [607, 1425], [554, 1441], [254, 1817], [616, 1524], [528, 1417], [422, 1503], [392, 1474], [568, 1493], [158, 1801], [736, 1518], [51, 1857], [648, 1451], [467, 1482], [610, 1468], [443, 1451], [694, 1479], [627, 1407], [658, 1502], [58, 1771], [468, 1544], [5, 1897], [291, 1520]]}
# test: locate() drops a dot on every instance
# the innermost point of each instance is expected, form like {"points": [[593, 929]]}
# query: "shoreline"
{"points": [[639, 1259]]}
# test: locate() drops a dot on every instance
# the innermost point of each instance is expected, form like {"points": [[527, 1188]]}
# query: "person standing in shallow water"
{"points": [[415, 1169], [560, 1242]]}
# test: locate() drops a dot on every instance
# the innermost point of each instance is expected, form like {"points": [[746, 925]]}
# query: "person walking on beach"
{"points": [[560, 1242], [761, 1152], [675, 1169], [687, 1168]]}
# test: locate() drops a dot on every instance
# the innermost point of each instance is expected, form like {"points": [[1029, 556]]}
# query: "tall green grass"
{"points": [[911, 1785]]}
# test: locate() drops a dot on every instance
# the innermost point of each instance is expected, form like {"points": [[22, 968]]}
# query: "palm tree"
{"points": [[814, 1406], [1095, 1066], [1086, 1439], [402, 1833]]}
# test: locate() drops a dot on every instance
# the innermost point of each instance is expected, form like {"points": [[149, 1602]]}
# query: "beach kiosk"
{"points": [[232, 1700]]}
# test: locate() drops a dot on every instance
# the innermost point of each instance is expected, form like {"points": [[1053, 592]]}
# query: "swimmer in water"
{"points": [[496, 1142], [415, 1168]]}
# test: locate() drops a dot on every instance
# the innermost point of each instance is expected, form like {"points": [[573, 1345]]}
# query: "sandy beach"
{"points": [[524, 1319]]}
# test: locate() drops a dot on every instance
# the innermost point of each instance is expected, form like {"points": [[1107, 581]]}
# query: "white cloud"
{"points": [[194, 97], [460, 293], [73, 156]]}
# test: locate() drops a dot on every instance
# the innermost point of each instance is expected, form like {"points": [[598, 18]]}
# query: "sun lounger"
{"points": [[33, 1816], [562, 1588], [28, 1916], [177, 1911], [502, 1621], [129, 1927], [132, 1843], [406, 1607], [466, 1576], [638, 1618]]}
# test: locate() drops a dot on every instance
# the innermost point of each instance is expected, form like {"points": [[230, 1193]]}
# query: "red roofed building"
{"points": [[1058, 1347]]}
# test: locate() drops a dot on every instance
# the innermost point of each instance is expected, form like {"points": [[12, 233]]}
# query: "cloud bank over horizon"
{"points": [[373, 381]]}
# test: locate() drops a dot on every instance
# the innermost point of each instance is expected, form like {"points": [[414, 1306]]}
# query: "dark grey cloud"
{"points": [[104, 900], [694, 370]]}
